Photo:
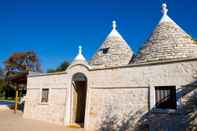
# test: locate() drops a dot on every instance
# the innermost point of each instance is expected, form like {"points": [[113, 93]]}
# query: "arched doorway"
{"points": [[79, 84]]}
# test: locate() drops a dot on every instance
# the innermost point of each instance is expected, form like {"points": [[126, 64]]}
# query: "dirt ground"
{"points": [[15, 122]]}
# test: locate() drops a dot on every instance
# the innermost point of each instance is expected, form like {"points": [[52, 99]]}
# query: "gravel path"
{"points": [[14, 122]]}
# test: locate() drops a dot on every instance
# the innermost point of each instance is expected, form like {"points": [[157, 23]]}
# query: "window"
{"points": [[45, 95], [104, 50], [165, 97]]}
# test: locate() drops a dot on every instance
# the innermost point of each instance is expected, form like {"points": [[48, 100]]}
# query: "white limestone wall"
{"points": [[110, 92], [53, 111], [132, 89], [179, 73], [116, 105]]}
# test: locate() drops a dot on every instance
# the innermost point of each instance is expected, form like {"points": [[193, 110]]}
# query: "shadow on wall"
{"points": [[112, 122], [185, 119], [189, 115]]}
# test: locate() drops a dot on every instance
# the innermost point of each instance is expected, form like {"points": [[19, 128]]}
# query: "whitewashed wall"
{"points": [[122, 90]]}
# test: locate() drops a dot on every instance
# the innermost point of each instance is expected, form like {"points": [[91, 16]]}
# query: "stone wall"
{"points": [[123, 90], [115, 106], [54, 110], [119, 94]]}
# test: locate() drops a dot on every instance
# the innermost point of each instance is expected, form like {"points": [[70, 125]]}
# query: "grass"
{"points": [[7, 100]]}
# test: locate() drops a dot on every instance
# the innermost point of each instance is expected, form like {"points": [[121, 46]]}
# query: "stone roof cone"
{"points": [[168, 41], [113, 52]]}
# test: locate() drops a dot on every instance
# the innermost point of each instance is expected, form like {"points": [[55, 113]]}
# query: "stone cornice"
{"points": [[147, 64], [48, 74], [126, 66]]}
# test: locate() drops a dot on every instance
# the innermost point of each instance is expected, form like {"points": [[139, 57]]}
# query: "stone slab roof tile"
{"points": [[168, 41], [113, 52]]}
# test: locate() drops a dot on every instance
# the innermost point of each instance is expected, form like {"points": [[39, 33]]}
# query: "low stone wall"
{"points": [[52, 111]]}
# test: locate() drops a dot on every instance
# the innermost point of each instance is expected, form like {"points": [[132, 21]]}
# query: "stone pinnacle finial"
{"points": [[164, 9], [80, 49], [80, 55], [114, 24]]}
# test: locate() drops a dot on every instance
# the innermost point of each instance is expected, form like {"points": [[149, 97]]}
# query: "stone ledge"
{"points": [[148, 64], [47, 74]]}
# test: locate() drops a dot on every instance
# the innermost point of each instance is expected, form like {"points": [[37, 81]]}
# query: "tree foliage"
{"points": [[17, 66], [1, 73], [2, 82], [62, 67], [23, 62]]}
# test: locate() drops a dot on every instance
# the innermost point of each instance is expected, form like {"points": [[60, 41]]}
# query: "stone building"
{"points": [[116, 89]]}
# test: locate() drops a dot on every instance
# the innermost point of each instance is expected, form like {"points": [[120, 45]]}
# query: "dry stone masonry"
{"points": [[168, 41], [119, 90], [113, 52]]}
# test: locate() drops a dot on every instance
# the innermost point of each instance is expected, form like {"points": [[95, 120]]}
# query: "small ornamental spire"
{"points": [[114, 25], [164, 9], [165, 17], [80, 49], [80, 55], [114, 31]]}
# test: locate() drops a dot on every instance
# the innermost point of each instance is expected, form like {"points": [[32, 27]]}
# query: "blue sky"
{"points": [[55, 28]]}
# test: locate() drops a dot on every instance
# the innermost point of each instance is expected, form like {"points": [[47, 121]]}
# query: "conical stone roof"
{"points": [[168, 41], [113, 52]]}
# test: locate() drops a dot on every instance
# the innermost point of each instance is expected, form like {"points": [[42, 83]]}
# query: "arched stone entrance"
{"points": [[79, 91]]}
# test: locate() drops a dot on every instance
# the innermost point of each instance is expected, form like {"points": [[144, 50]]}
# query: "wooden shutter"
{"points": [[165, 97]]}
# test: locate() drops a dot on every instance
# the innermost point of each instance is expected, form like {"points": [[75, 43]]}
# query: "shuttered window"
{"points": [[45, 95], [165, 97]]}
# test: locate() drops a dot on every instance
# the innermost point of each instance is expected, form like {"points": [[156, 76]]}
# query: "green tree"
{"points": [[62, 67], [2, 82], [23, 62], [195, 40], [18, 65], [1, 73]]}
